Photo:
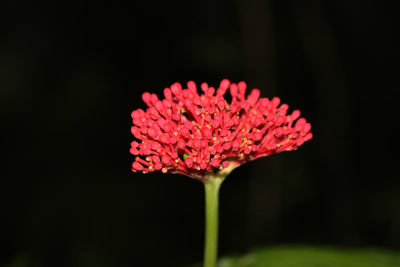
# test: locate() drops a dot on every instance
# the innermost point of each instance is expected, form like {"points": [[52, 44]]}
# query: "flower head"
{"points": [[194, 134]]}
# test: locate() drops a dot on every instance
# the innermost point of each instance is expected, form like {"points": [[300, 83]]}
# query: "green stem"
{"points": [[211, 188], [212, 184]]}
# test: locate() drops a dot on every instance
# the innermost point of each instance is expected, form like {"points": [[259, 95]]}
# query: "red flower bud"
{"points": [[194, 134]]}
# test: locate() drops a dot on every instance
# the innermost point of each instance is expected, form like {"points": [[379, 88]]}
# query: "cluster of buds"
{"points": [[194, 134]]}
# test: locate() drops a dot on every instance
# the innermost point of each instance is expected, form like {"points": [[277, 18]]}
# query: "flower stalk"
{"points": [[211, 189], [212, 186]]}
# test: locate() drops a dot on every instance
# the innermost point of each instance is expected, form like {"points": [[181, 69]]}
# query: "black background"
{"points": [[71, 72]]}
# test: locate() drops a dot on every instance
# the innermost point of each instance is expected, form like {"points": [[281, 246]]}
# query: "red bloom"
{"points": [[193, 134]]}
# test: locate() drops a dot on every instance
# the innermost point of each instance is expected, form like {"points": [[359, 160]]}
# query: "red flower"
{"points": [[194, 134]]}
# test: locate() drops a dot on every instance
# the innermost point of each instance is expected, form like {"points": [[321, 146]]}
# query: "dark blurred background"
{"points": [[71, 72]]}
